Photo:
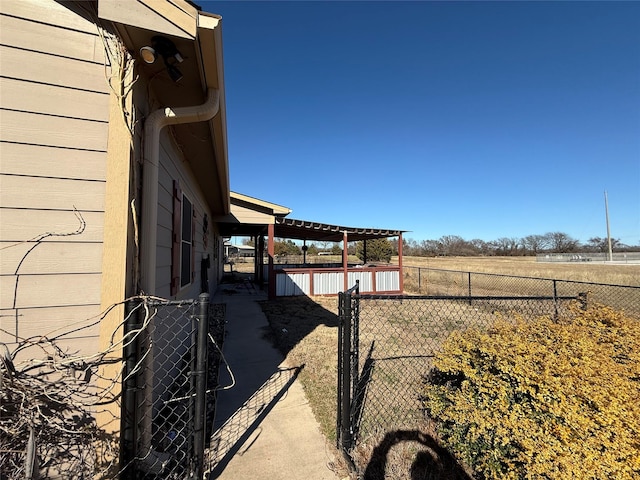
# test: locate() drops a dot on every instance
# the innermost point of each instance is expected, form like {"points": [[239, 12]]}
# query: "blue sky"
{"points": [[478, 119]]}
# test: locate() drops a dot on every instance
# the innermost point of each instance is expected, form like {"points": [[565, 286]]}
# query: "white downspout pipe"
{"points": [[153, 126]]}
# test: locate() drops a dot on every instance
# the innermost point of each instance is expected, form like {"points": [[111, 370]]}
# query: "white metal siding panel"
{"points": [[365, 278], [291, 284], [387, 281], [328, 283]]}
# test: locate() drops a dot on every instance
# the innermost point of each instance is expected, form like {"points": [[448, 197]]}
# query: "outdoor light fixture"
{"points": [[167, 50], [148, 54]]}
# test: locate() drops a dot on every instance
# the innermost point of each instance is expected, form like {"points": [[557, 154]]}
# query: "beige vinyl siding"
{"points": [[52, 258], [53, 139], [174, 167], [22, 159], [247, 215], [36, 129], [50, 322], [48, 12], [33, 34], [17, 191], [54, 100], [38, 291], [14, 227], [51, 70]]}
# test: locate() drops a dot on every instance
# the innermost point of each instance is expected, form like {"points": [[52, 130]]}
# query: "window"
{"points": [[186, 242], [183, 244]]}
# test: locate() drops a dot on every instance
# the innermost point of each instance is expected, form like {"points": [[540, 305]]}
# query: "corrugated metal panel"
{"points": [[291, 284], [366, 278], [388, 281], [328, 283]]}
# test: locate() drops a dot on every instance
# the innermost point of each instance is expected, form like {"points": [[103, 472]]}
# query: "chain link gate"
{"points": [[386, 344], [164, 391]]}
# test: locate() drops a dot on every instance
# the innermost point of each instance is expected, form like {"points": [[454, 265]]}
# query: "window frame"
{"points": [[182, 274]]}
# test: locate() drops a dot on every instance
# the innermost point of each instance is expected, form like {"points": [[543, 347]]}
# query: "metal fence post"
{"points": [[345, 407], [340, 367], [128, 415], [555, 299], [201, 385], [469, 282]]}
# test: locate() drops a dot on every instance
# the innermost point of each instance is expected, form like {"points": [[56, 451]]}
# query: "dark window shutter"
{"points": [[193, 246], [176, 237]]}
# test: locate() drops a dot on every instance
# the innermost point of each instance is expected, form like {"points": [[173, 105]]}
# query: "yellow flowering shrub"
{"points": [[542, 399]]}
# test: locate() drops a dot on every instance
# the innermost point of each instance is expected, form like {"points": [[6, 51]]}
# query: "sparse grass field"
{"points": [[613, 274]]}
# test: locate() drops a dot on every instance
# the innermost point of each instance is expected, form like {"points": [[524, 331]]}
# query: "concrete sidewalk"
{"points": [[264, 427]]}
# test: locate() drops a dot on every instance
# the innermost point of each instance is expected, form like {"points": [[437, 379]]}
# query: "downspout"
{"points": [[154, 124]]}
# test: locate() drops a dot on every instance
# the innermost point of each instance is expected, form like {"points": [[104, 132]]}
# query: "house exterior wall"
{"points": [[53, 145], [173, 167]]}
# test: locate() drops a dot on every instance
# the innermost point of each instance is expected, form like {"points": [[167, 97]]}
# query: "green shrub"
{"points": [[542, 399]]}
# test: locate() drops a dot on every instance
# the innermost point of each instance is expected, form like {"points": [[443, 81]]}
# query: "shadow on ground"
{"points": [[431, 462], [242, 429], [292, 319]]}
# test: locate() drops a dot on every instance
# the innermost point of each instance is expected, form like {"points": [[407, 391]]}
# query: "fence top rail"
{"points": [[518, 276], [465, 298], [170, 303]]}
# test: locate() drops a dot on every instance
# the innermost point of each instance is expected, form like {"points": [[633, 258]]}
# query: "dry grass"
{"points": [[618, 274]]}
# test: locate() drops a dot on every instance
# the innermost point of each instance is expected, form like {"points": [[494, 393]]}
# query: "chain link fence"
{"points": [[432, 281], [169, 394], [55, 402], [387, 343]]}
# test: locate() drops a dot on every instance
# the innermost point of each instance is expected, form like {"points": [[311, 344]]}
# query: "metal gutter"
{"points": [[153, 126]]}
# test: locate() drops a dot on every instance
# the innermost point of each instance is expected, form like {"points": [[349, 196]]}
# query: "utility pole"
{"points": [[606, 210]]}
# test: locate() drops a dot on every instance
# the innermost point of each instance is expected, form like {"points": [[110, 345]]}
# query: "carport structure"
{"points": [[260, 219]]}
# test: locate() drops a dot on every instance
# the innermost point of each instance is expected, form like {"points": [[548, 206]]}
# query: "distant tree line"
{"points": [[552, 242]]}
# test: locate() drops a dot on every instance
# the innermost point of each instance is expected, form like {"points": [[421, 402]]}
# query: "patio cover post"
{"points": [[259, 259], [345, 264], [271, 252]]}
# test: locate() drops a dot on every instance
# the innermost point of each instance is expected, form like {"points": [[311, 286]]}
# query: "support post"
{"points": [[345, 257], [271, 250], [201, 385]]}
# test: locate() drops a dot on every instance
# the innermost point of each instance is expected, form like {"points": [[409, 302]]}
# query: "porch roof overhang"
{"points": [[249, 216], [197, 36], [305, 230]]}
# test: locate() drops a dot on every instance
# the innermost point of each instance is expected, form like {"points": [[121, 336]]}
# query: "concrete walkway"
{"points": [[264, 427]]}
